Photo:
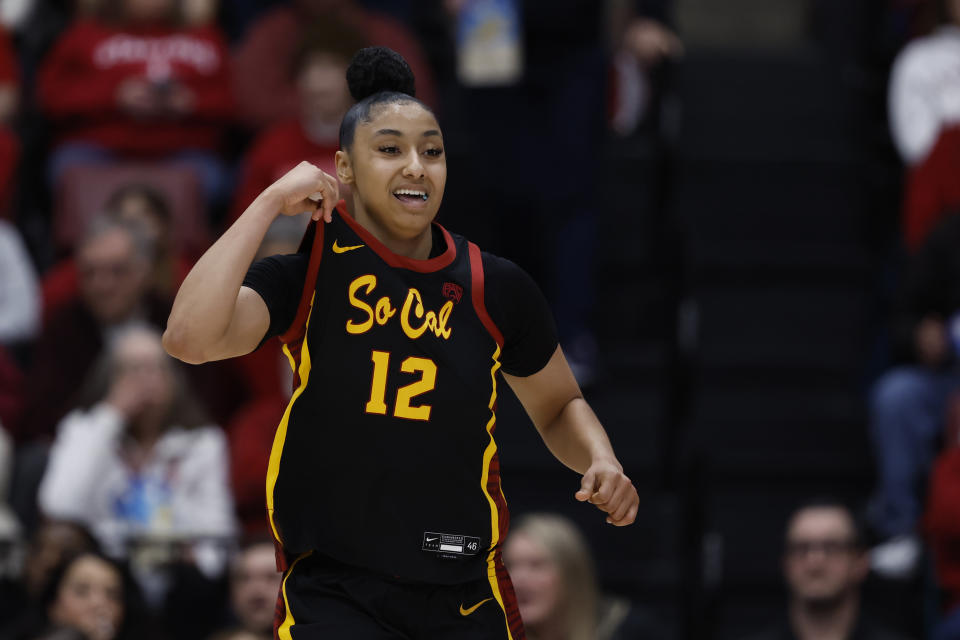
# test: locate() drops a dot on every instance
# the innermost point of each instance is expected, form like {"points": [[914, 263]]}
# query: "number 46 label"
{"points": [[401, 407]]}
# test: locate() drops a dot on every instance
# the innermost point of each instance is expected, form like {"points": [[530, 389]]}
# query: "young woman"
{"points": [[557, 591], [383, 482]]}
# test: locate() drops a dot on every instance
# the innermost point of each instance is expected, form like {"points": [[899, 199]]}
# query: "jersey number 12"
{"points": [[402, 407]]}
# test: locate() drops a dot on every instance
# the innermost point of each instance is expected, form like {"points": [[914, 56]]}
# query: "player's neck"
{"points": [[417, 248]]}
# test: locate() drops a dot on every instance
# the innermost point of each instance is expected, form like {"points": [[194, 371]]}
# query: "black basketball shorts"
{"points": [[322, 599]]}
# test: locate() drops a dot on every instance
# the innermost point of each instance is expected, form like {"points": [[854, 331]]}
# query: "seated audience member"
{"points": [[114, 263], [10, 535], [9, 99], [19, 291], [825, 564], [135, 461], [133, 84], [137, 204], [942, 524], [254, 585], [924, 103], [51, 543], [319, 70], [266, 90], [235, 634], [924, 90], [932, 188], [908, 403], [91, 594], [556, 586], [9, 526]]}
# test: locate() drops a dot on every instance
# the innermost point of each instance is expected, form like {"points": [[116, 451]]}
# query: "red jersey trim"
{"points": [[476, 289], [395, 260], [298, 327]]}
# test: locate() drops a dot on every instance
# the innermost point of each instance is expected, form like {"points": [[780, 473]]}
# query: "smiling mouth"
{"points": [[410, 195]]}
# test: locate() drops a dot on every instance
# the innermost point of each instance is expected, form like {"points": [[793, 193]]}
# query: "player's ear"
{"points": [[344, 167]]}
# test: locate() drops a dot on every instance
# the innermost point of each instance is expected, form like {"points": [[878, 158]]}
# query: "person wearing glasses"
{"points": [[825, 562]]}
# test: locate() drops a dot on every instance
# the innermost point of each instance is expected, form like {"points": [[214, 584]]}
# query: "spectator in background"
{"points": [[924, 101], [924, 90], [140, 205], [10, 535], [139, 465], [91, 594], [136, 458], [265, 85], [9, 100], [825, 564], [556, 585], [51, 544], [19, 290], [114, 262], [254, 584], [942, 524], [909, 402], [319, 68], [135, 85], [235, 634]]}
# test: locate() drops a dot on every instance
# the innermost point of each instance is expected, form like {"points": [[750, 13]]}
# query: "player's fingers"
{"points": [[587, 486], [620, 502], [620, 496], [605, 491], [331, 197], [630, 516]]}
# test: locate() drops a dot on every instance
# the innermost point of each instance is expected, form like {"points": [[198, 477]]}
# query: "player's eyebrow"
{"points": [[399, 134]]}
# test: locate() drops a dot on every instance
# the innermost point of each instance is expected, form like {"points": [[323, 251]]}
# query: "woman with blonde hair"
{"points": [[554, 578], [556, 584]]}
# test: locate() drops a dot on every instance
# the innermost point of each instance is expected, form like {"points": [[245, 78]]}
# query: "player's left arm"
{"points": [[572, 432]]}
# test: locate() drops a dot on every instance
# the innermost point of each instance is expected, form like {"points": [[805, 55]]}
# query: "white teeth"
{"points": [[410, 192]]}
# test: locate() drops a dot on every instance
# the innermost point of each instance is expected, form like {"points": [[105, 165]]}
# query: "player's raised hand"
{"points": [[307, 188], [605, 486]]}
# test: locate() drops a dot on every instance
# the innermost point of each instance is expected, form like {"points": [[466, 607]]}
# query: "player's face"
{"points": [[397, 170], [821, 562], [536, 579]]}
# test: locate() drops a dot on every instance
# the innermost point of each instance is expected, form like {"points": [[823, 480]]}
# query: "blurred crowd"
{"points": [[134, 131]]}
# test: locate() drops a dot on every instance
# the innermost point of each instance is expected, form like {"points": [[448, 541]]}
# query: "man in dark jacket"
{"points": [[825, 563]]}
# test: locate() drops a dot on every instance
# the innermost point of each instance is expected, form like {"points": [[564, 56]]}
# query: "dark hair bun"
{"points": [[376, 69]]}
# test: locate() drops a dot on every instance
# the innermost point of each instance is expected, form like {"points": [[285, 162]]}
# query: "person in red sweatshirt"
{"points": [[319, 68], [134, 84]]}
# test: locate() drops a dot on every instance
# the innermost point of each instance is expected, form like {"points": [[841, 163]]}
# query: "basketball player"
{"points": [[383, 487]]}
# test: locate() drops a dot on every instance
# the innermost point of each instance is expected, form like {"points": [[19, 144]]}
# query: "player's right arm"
{"points": [[213, 316]]}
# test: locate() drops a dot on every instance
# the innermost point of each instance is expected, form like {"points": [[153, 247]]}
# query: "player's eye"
{"points": [[434, 153], [390, 149]]}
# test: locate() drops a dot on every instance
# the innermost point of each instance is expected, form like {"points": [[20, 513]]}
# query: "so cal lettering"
{"points": [[411, 311]]}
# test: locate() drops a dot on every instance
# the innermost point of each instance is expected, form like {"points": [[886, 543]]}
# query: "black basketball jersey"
{"points": [[385, 456]]}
